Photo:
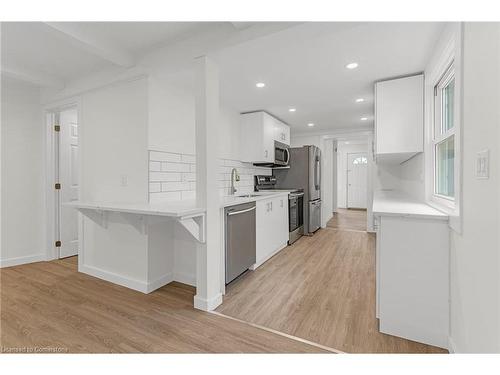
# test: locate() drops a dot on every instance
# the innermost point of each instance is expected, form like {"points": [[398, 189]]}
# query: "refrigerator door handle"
{"points": [[317, 174]]}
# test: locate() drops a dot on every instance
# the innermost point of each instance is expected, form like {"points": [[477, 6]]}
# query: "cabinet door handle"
{"points": [[265, 153]]}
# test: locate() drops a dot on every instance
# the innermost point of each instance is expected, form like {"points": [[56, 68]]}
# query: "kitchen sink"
{"points": [[247, 195]]}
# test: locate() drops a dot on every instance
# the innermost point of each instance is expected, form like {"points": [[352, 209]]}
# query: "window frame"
{"points": [[439, 136]]}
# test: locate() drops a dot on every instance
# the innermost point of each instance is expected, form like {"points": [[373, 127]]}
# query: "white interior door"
{"points": [[68, 178], [357, 167]]}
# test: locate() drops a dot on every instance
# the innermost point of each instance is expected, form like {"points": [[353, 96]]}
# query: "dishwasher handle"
{"points": [[231, 213]]}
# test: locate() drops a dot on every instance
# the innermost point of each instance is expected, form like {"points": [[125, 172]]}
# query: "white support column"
{"points": [[208, 258]]}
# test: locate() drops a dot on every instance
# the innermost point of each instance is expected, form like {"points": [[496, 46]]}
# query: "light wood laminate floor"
{"points": [[52, 307], [348, 219], [322, 288]]}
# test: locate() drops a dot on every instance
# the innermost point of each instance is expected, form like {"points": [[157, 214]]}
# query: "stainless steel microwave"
{"points": [[281, 156]]}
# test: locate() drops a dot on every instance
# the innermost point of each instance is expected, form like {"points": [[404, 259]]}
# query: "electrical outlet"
{"points": [[483, 164], [123, 180]]}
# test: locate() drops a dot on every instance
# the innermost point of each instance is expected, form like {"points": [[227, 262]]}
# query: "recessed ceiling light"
{"points": [[364, 118], [360, 100], [291, 110], [352, 65], [260, 85], [310, 124]]}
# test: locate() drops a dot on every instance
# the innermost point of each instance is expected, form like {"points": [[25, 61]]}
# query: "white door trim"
{"points": [[52, 252]]}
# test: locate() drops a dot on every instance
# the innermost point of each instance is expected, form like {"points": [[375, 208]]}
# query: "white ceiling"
{"points": [[304, 67], [139, 38], [32, 46], [38, 48]]}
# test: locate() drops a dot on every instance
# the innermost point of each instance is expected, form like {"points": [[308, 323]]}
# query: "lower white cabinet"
{"points": [[412, 267], [271, 227]]}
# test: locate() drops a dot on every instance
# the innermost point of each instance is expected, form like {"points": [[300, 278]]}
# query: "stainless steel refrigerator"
{"points": [[304, 173]]}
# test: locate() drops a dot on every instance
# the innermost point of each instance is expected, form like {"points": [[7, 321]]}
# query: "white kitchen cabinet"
{"points": [[281, 132], [412, 270], [399, 119], [271, 227], [258, 131]]}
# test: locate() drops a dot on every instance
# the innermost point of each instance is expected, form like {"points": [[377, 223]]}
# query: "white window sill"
{"points": [[449, 208]]}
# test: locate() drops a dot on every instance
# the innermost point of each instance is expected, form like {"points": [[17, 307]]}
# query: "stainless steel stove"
{"points": [[295, 205]]}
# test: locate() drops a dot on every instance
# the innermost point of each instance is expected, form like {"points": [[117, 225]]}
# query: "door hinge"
{"points": [[58, 243], [57, 186], [57, 128]]}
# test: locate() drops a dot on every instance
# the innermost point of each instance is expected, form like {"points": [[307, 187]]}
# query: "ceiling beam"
{"points": [[36, 78], [73, 33]]}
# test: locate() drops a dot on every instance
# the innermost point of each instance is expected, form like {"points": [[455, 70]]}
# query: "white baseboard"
{"points": [[185, 278], [9, 262], [260, 262], [159, 282], [452, 347], [139, 285], [327, 220], [207, 304]]}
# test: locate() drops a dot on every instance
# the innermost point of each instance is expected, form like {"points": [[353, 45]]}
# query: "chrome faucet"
{"points": [[234, 177]]}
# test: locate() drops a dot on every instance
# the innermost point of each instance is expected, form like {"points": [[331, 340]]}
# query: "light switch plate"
{"points": [[483, 164]]}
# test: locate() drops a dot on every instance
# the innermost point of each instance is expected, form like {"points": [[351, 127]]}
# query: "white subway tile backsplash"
{"points": [[154, 187], [174, 167], [189, 176], [188, 194], [186, 158], [154, 166], [164, 176], [175, 186], [173, 176]]}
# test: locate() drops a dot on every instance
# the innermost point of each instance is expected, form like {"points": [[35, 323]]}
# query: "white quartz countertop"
{"points": [[394, 203], [173, 209], [255, 196]]}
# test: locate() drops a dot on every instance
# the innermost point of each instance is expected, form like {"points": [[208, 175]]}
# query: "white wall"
{"points": [[412, 177], [171, 116], [475, 265], [114, 147], [23, 189], [114, 136]]}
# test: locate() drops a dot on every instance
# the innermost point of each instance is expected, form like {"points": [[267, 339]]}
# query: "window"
{"points": [[360, 160], [444, 136]]}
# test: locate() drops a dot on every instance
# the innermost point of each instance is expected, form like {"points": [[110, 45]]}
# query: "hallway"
{"points": [[349, 219]]}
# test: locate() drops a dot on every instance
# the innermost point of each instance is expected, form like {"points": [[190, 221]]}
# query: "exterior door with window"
{"points": [[357, 168], [68, 178]]}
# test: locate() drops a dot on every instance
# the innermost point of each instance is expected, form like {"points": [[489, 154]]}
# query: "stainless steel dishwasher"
{"points": [[240, 239]]}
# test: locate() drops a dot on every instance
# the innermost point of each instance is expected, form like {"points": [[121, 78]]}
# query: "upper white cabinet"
{"points": [[258, 132], [399, 118], [282, 132]]}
